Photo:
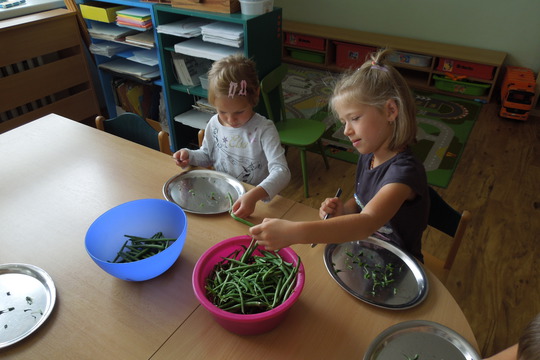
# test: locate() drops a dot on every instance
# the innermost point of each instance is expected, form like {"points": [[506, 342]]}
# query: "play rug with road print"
{"points": [[444, 122]]}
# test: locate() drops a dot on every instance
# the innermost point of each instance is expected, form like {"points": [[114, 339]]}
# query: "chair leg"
{"points": [[303, 161], [321, 149]]}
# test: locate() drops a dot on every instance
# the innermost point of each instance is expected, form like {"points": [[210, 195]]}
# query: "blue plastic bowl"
{"points": [[144, 218]]}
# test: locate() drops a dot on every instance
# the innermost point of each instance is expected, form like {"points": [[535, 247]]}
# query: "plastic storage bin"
{"points": [[204, 81], [305, 41], [99, 11], [458, 67], [351, 55], [410, 59], [256, 7], [308, 56], [462, 87]]}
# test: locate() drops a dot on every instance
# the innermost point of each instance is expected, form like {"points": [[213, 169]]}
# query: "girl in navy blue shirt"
{"points": [[377, 109]]}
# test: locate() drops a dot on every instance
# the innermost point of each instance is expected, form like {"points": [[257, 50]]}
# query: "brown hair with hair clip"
{"points": [[234, 75]]}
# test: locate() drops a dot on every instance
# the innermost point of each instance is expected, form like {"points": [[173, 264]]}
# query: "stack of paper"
{"points": [[134, 18], [144, 39], [188, 27], [106, 31], [189, 68], [199, 48], [131, 68], [228, 34], [107, 48], [146, 57]]}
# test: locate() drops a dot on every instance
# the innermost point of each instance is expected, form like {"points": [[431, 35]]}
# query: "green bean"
{"points": [[253, 283], [138, 248], [243, 221]]}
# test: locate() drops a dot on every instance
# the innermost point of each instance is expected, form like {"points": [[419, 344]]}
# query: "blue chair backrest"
{"points": [[134, 128]]}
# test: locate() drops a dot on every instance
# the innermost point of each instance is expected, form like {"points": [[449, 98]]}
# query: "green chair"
{"points": [[303, 134], [134, 128]]}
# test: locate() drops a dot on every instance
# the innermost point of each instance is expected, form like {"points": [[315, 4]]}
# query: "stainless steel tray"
{"points": [[423, 339], [203, 191], [359, 268], [27, 297]]}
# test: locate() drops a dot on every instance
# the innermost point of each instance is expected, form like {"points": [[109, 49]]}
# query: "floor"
{"points": [[495, 278]]}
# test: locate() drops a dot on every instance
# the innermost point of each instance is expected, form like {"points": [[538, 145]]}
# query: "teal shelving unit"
{"points": [[106, 77], [262, 42]]}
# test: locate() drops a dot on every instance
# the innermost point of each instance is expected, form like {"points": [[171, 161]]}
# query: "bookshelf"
{"points": [[131, 62], [262, 42]]}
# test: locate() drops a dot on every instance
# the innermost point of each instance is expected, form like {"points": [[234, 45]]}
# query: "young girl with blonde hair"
{"points": [[391, 200], [237, 140]]}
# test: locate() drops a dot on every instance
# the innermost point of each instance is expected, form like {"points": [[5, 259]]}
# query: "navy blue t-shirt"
{"points": [[406, 227]]}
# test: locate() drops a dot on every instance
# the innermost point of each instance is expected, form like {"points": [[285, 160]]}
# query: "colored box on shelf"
{"points": [[305, 41], [308, 56], [459, 67], [220, 6], [100, 11], [462, 87], [410, 59], [351, 55]]}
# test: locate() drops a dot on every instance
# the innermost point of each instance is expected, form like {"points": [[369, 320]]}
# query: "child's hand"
{"points": [[275, 234], [181, 157], [332, 207], [244, 206]]}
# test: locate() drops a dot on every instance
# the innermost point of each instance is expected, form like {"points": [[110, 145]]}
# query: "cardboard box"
{"points": [[351, 55], [305, 41], [459, 67], [221, 6], [99, 11]]}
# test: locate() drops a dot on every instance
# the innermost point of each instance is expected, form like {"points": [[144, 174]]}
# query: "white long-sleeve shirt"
{"points": [[251, 153]]}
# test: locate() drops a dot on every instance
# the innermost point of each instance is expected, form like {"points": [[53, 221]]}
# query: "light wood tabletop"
{"points": [[57, 176]]}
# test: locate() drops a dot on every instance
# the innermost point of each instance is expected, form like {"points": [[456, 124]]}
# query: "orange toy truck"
{"points": [[517, 93]]}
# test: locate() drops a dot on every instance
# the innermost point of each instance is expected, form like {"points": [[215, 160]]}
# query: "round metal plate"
{"points": [[359, 268], [421, 340], [27, 297], [203, 191]]}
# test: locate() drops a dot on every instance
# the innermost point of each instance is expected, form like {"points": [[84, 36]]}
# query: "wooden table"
{"points": [[57, 176]]}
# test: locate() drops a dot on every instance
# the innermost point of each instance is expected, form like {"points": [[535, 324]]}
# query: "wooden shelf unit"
{"points": [[419, 77]]}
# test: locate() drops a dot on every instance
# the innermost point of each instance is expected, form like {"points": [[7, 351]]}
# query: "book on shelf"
{"points": [[188, 68]]}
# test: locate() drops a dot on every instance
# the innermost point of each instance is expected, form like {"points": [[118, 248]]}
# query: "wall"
{"points": [[509, 26]]}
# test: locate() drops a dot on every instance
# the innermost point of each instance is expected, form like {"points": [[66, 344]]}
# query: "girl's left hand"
{"points": [[274, 234], [244, 206]]}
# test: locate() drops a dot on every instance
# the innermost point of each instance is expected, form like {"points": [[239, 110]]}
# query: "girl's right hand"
{"points": [[181, 157], [332, 207]]}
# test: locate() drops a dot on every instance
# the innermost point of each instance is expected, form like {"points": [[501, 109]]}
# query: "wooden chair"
{"points": [[451, 222], [134, 128], [303, 134]]}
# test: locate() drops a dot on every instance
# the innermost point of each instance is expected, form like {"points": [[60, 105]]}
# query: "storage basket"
{"points": [[351, 55], [410, 59], [459, 67], [305, 41], [462, 87], [308, 56]]}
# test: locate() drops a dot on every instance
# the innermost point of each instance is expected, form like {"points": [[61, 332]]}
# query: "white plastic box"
{"points": [[410, 59], [256, 7]]}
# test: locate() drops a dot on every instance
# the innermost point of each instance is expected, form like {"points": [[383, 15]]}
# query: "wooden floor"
{"points": [[495, 278]]}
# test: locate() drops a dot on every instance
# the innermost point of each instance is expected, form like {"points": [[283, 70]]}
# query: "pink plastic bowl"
{"points": [[250, 324]]}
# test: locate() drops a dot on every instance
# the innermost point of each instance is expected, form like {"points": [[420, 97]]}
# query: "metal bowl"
{"points": [[203, 191]]}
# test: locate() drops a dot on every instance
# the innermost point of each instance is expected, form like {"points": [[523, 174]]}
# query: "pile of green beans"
{"points": [[137, 248], [247, 284]]}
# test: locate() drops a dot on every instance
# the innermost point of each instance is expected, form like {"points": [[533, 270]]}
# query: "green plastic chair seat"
{"points": [[303, 134]]}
